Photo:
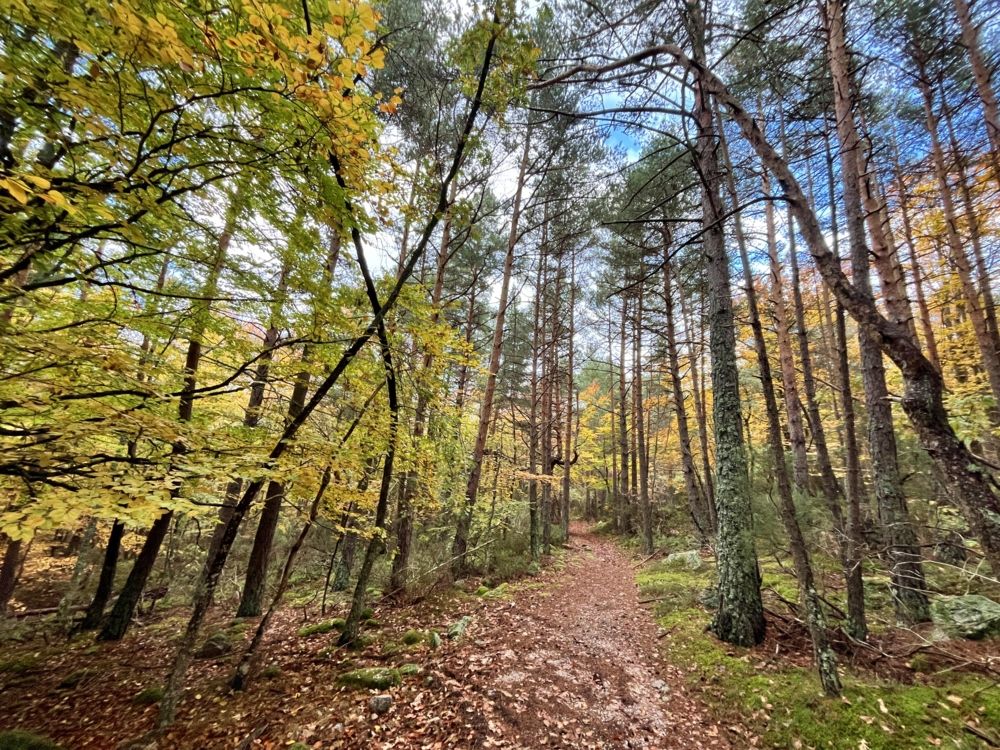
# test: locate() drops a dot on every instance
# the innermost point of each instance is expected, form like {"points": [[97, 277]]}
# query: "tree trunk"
{"points": [[8, 572], [255, 580], [212, 570], [815, 619], [121, 614], [779, 311], [640, 421], [696, 501], [959, 258], [701, 412], [567, 461], [926, 328], [923, 397], [410, 484], [981, 75], [740, 617], [533, 427], [106, 580], [460, 545]]}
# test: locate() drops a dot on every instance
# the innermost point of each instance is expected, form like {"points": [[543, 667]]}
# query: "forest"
{"points": [[578, 373]]}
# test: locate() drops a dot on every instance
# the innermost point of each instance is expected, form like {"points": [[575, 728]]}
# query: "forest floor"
{"points": [[567, 658]]}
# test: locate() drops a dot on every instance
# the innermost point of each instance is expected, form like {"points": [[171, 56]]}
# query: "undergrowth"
{"points": [[782, 701]]}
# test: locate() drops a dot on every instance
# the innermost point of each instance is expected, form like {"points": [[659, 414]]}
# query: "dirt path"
{"points": [[577, 663], [571, 663]]}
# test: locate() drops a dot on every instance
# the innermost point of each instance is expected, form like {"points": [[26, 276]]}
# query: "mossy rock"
{"points": [[482, 591], [689, 560], [216, 645], [408, 670], [271, 672], [238, 627], [367, 613], [373, 623], [434, 639], [18, 740], [148, 696], [499, 592], [318, 628], [371, 678], [73, 679], [971, 616], [457, 630], [19, 664], [413, 637]]}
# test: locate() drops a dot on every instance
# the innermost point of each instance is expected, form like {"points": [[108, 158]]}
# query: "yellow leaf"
{"points": [[17, 189], [37, 181]]}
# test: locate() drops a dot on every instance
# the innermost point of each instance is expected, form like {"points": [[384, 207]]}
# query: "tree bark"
{"points": [[740, 617], [981, 75]]}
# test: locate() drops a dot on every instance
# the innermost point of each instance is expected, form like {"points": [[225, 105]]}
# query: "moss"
{"points": [[318, 628], [148, 696], [408, 670], [413, 637], [787, 707], [367, 613], [18, 740], [500, 592], [271, 672], [20, 664], [238, 627], [372, 678]]}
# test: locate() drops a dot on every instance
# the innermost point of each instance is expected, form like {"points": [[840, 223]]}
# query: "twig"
{"points": [[647, 559], [987, 738]]}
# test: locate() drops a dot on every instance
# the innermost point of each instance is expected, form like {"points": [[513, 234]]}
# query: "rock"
{"points": [[690, 560], [379, 704], [709, 597], [971, 616], [457, 630], [148, 696], [373, 678], [218, 644]]}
